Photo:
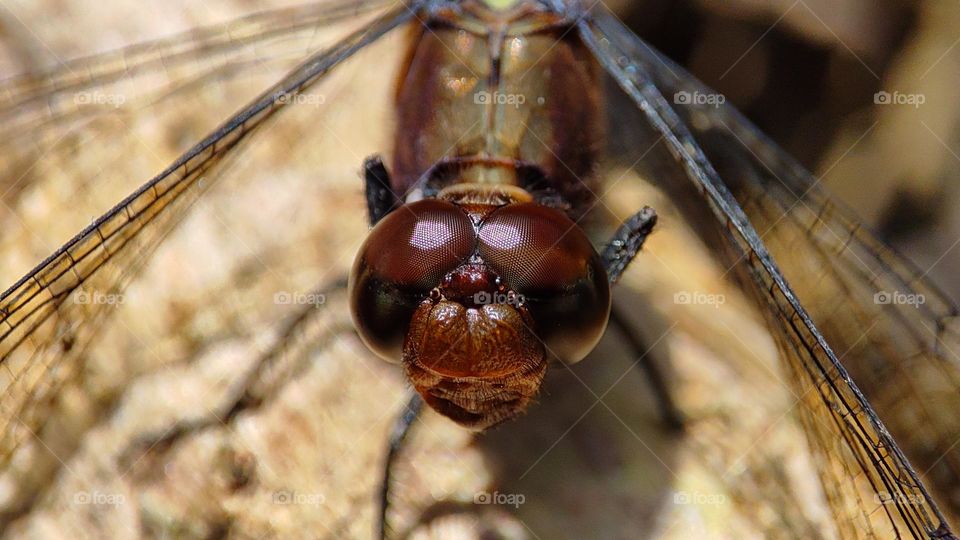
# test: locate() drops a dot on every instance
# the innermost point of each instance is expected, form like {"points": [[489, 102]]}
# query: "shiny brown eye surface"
{"points": [[404, 257], [545, 257]]}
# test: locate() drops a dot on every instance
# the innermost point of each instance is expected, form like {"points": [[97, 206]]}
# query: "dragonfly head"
{"points": [[474, 295]]}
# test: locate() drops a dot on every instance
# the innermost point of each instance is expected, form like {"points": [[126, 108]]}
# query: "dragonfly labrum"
{"points": [[508, 150]]}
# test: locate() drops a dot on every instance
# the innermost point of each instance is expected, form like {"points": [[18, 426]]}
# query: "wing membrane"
{"points": [[165, 53], [45, 322], [868, 482], [39, 112], [890, 321]]}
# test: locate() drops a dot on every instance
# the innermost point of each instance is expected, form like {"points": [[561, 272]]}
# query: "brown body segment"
{"points": [[486, 91], [478, 366]]}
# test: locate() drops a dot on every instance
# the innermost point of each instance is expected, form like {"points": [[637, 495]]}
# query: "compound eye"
{"points": [[544, 256], [404, 257]]}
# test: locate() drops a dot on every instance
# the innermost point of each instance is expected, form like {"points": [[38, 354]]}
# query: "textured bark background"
{"points": [[589, 460]]}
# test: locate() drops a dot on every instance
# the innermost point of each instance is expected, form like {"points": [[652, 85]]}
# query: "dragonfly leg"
{"points": [[669, 412], [627, 241], [622, 248], [380, 197], [401, 428]]}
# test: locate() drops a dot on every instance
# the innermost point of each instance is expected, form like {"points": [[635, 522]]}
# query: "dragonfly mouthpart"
{"points": [[478, 364]]}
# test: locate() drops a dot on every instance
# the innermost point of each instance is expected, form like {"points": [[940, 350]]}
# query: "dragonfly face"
{"points": [[474, 291]]}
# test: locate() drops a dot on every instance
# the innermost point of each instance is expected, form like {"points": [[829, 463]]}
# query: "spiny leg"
{"points": [[380, 197], [627, 241], [398, 434], [622, 248]]}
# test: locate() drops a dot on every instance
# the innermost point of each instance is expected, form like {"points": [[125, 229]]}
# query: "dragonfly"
{"points": [[802, 258]]}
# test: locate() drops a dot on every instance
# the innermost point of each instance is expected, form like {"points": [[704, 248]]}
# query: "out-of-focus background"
{"points": [[591, 458], [808, 73]]}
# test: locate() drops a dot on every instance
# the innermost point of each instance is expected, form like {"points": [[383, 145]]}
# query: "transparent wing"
{"points": [[37, 109], [46, 321], [870, 486], [19, 94], [891, 324]]}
